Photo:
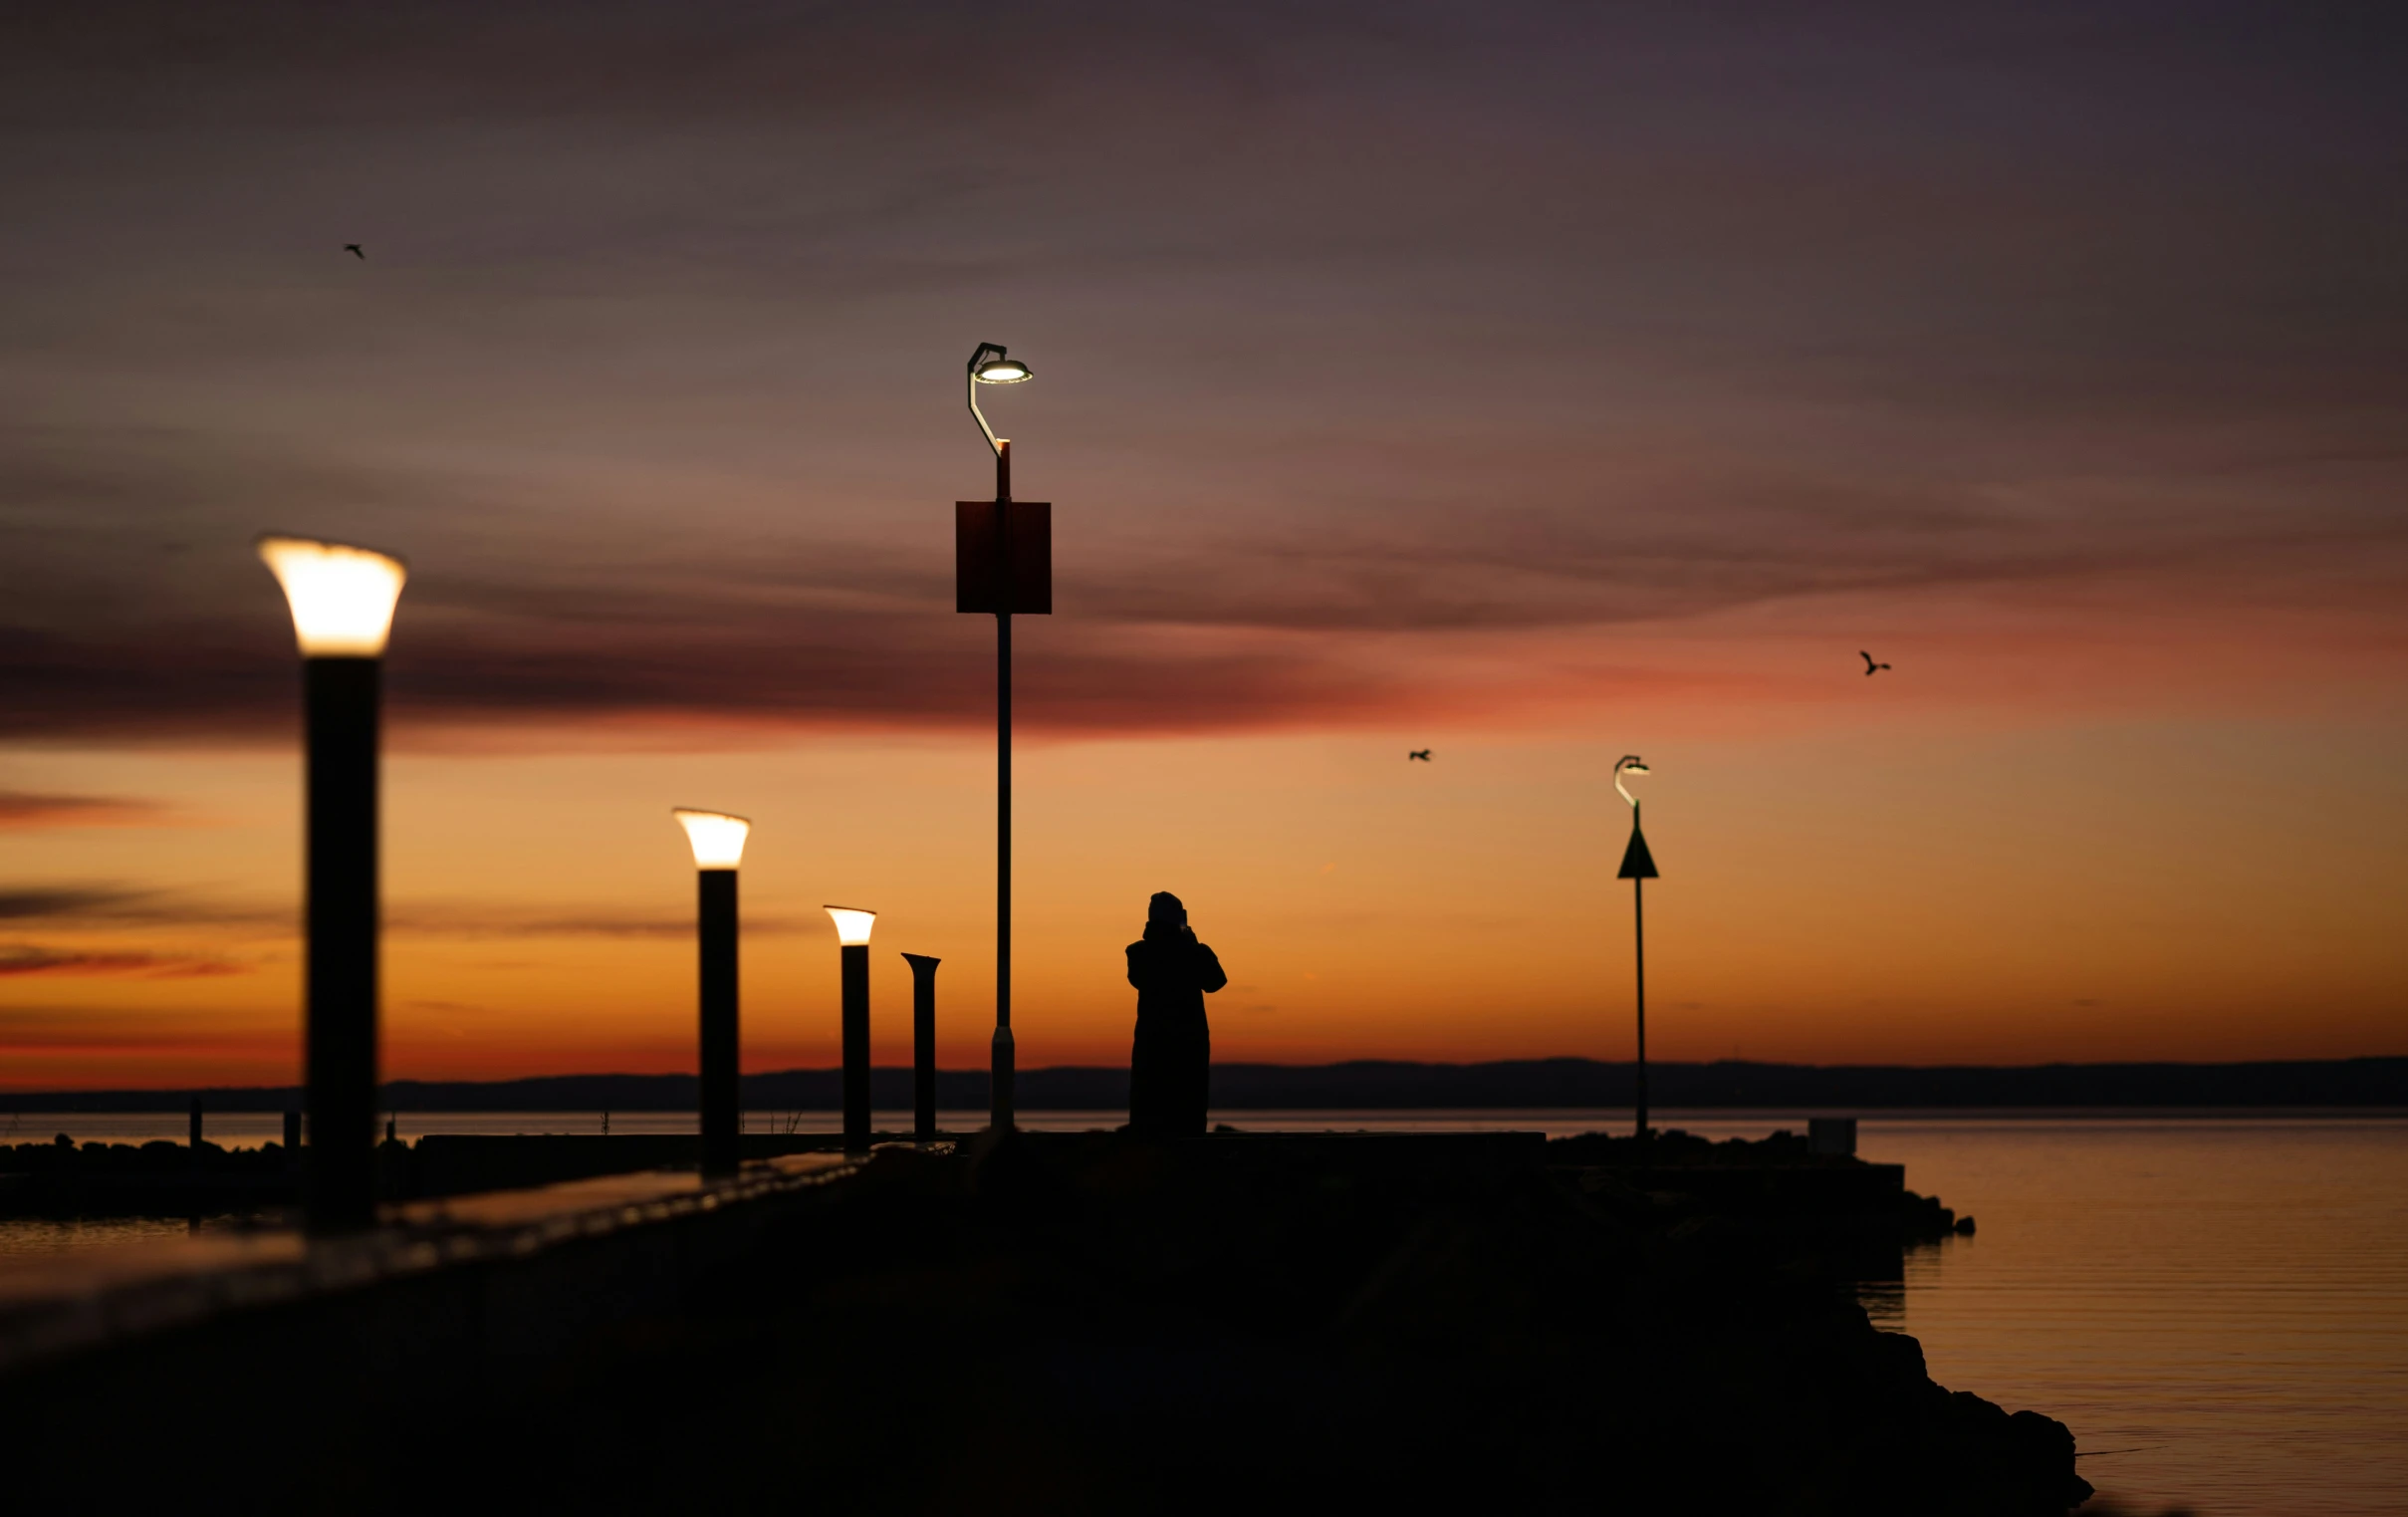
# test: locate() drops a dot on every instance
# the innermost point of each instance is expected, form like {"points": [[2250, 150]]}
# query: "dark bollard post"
{"points": [[342, 971], [853, 934], [718, 842], [923, 1045], [196, 1124], [721, 1080], [343, 599]]}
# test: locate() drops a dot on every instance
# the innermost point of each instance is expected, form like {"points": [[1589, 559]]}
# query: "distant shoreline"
{"points": [[2332, 1086]]}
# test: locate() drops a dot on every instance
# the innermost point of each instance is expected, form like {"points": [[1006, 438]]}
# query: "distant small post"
{"points": [[852, 937], [923, 1045], [196, 1124], [1638, 867], [341, 599], [718, 842]]}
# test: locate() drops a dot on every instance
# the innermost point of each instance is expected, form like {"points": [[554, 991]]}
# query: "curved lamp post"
{"points": [[718, 843], [341, 599], [1003, 563], [1638, 867], [853, 936]]}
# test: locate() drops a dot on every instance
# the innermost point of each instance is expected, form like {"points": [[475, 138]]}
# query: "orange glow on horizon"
{"points": [[1866, 897]]}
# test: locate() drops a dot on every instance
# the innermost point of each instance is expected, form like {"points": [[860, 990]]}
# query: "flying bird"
{"points": [[1870, 665], [1422, 754], [353, 248]]}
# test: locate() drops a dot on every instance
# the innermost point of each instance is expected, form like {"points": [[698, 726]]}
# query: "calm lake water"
{"points": [[2218, 1307]]}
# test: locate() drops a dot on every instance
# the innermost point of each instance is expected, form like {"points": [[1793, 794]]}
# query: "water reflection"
{"points": [[22, 1237], [2217, 1308]]}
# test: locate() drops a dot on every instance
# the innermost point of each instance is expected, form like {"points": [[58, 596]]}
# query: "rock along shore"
{"points": [[1077, 1321]]}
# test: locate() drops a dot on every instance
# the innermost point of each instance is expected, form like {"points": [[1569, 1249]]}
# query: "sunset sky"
{"points": [[1534, 383]]}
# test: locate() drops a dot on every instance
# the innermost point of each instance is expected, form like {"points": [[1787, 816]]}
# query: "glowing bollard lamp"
{"points": [[343, 601], [853, 933], [1638, 867], [718, 841]]}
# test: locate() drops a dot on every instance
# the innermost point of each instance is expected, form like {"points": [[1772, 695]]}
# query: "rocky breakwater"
{"points": [[1073, 1323], [1856, 1217], [65, 1178]]}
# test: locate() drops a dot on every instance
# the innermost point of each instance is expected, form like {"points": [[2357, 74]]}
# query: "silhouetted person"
{"points": [[1170, 1069]]}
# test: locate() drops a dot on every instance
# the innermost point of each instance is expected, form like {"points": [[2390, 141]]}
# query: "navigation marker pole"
{"points": [[1638, 867]]}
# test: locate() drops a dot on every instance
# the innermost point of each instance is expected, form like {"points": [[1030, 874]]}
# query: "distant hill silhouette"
{"points": [[1382, 1085]]}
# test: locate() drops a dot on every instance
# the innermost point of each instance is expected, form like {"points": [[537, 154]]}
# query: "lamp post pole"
{"points": [[341, 599], [344, 696], [1639, 962], [857, 1046], [1003, 564], [1003, 1058], [722, 1079], [1638, 867], [718, 842], [853, 936]]}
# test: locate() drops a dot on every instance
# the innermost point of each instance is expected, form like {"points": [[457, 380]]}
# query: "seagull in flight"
{"points": [[1870, 665], [1422, 754], [353, 248]]}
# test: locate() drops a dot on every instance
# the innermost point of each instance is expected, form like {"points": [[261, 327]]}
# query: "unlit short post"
{"points": [[196, 1124], [923, 1045]]}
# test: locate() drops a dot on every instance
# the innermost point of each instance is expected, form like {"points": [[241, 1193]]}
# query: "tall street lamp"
{"points": [[1638, 867], [1003, 562], [341, 599], [853, 936], [719, 843]]}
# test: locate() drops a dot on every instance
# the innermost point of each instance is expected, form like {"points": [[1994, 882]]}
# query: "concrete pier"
{"points": [[456, 1281]]}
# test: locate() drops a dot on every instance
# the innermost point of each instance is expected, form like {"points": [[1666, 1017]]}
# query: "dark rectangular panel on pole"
{"points": [[339, 1187], [721, 1092], [976, 564], [923, 1045], [856, 976]]}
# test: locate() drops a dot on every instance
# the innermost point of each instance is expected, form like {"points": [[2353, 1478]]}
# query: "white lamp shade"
{"points": [[1627, 766], [718, 837], [342, 597], [853, 928]]}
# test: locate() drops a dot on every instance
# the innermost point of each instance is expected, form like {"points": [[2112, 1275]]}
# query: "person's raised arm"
{"points": [[1209, 976]]}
